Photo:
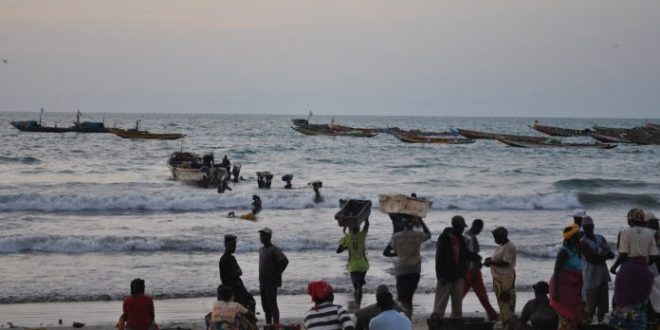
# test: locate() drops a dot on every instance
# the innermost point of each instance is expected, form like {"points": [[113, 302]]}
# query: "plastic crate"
{"points": [[353, 213], [403, 204]]}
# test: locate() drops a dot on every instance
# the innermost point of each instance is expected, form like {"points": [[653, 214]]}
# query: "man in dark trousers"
{"points": [[272, 263], [451, 258], [230, 275]]}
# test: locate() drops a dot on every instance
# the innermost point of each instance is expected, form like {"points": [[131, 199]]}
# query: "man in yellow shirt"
{"points": [[355, 243]]}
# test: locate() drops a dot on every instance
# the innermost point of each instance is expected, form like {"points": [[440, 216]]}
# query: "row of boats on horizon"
{"points": [[606, 137]]}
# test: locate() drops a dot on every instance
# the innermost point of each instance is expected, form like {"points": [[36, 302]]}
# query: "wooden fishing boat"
{"points": [[395, 131], [653, 126], [493, 136], [614, 130], [305, 124], [558, 131], [332, 132], [78, 127], [136, 134], [608, 137], [191, 168], [643, 135], [410, 138], [522, 144]]}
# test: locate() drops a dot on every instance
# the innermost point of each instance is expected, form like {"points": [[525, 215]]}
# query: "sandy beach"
{"points": [[188, 313]]}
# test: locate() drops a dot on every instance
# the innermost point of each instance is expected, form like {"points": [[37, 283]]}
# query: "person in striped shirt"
{"points": [[325, 315]]}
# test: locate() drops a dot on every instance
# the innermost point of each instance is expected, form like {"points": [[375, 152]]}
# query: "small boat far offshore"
{"points": [[135, 134]]}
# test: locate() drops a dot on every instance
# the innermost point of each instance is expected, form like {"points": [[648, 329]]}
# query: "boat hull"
{"points": [[126, 134]]}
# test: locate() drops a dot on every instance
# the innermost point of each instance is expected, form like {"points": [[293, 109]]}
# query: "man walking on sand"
{"points": [[406, 246], [272, 263], [451, 257], [473, 277]]}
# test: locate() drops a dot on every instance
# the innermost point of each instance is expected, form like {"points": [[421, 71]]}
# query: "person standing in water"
{"points": [[355, 243]]}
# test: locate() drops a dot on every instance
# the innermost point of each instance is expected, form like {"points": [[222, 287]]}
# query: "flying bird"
{"points": [[6, 61]]}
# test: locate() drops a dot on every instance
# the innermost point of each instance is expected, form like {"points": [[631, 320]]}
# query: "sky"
{"points": [[560, 58]]}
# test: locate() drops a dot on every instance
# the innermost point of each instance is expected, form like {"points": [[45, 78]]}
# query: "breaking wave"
{"points": [[111, 244], [644, 200], [603, 183], [167, 200], [22, 160]]}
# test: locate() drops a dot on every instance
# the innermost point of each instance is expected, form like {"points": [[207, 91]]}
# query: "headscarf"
{"points": [[570, 231], [319, 290], [636, 215]]}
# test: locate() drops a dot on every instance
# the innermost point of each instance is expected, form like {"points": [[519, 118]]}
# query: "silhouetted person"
{"points": [[230, 274], [272, 263]]}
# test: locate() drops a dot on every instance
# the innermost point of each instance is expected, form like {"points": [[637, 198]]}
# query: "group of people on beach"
{"points": [[577, 292]]}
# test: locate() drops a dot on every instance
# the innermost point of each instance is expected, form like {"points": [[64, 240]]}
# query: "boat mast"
{"points": [[41, 114]]}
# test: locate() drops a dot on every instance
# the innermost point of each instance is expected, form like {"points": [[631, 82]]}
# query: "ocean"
{"points": [[81, 215]]}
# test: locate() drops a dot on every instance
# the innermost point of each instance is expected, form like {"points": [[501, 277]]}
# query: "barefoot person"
{"points": [[595, 275], [634, 281], [272, 263], [502, 267], [451, 257], [473, 277], [406, 246], [566, 282], [355, 243]]}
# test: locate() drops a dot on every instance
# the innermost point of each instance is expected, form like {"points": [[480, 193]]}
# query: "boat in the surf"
{"points": [[78, 126], [609, 137], [396, 131], [470, 134], [643, 135], [552, 143], [558, 131], [189, 167], [136, 133], [333, 132], [411, 138]]}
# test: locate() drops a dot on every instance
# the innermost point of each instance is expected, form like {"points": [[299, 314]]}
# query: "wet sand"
{"points": [[188, 313]]}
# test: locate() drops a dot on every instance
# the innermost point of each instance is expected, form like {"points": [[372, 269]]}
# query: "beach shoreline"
{"points": [[188, 313]]}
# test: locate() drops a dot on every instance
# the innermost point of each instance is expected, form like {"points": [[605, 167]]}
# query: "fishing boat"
{"points": [[395, 131], [555, 144], [494, 136], [305, 124], [643, 135], [608, 137], [411, 138], [332, 132], [558, 131], [78, 127], [134, 134], [191, 168]]}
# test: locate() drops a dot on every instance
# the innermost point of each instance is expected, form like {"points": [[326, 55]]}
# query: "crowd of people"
{"points": [[577, 292]]}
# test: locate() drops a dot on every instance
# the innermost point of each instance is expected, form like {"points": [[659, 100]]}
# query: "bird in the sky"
{"points": [[6, 61]]}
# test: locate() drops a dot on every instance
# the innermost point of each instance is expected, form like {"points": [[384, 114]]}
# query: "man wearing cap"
{"points": [[473, 277], [578, 216], [451, 257], [230, 274], [406, 246], [538, 310], [272, 263], [595, 276], [325, 315], [364, 315]]}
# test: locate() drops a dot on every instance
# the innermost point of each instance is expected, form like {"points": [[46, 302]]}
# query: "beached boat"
{"points": [[410, 138], [137, 134], [78, 127], [558, 131], [493, 136], [191, 168], [555, 144]]}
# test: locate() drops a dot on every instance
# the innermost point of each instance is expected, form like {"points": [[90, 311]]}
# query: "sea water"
{"points": [[81, 215]]}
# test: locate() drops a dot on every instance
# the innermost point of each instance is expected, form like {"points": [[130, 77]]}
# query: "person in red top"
{"points": [[138, 309]]}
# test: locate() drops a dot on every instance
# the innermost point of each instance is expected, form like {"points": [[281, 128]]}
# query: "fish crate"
{"points": [[459, 323], [353, 213], [403, 204]]}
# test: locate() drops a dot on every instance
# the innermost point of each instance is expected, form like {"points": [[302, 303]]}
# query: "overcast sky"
{"points": [[560, 58]]}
